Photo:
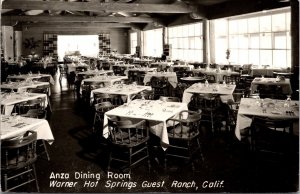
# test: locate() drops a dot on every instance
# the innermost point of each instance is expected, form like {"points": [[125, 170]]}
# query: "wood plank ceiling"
{"points": [[121, 13]]}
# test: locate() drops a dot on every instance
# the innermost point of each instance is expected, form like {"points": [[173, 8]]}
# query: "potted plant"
{"points": [[32, 44], [228, 55]]}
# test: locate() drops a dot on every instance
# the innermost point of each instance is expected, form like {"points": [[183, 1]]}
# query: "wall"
{"points": [[118, 37]]}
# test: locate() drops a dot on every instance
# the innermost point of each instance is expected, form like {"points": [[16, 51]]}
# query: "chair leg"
{"points": [[130, 159], [46, 150], [5, 182], [49, 103], [36, 180], [109, 161], [147, 152]]}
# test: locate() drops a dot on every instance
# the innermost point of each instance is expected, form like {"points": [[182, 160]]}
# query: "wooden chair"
{"points": [[184, 137], [18, 157], [63, 72], [39, 114], [100, 109], [208, 104], [128, 143], [159, 86], [273, 140]]}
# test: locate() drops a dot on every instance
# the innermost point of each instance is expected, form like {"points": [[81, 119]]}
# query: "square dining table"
{"points": [[14, 126], [107, 80], [215, 88], [285, 84], [29, 77], [8, 100], [126, 91], [156, 112], [23, 86], [94, 72], [171, 77], [271, 108], [217, 73]]}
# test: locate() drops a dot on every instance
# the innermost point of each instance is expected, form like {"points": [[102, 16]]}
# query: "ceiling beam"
{"points": [[81, 25], [96, 6], [43, 18]]}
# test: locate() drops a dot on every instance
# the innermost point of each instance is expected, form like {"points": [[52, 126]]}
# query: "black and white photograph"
{"points": [[149, 96]]}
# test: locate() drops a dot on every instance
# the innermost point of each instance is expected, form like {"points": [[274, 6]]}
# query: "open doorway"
{"points": [[85, 45]]}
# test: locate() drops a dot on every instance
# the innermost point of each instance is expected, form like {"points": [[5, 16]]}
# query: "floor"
{"points": [[228, 166]]}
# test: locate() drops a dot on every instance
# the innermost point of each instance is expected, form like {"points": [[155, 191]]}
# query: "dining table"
{"points": [[162, 64], [14, 126], [141, 69], [127, 92], [271, 108], [155, 112], [216, 72], [22, 86], [72, 66], [107, 80], [29, 77], [214, 88], [185, 67], [9, 100], [284, 83], [94, 72], [171, 77], [265, 71]]}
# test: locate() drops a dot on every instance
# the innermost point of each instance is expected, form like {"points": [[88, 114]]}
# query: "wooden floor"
{"points": [[77, 150]]}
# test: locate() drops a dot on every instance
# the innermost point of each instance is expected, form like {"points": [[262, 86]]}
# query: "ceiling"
{"points": [[123, 13]]}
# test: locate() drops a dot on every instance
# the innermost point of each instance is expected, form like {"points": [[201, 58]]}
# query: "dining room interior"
{"points": [[167, 96]]}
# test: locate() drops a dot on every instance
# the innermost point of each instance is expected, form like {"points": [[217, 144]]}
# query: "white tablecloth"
{"points": [[186, 67], [107, 80], [9, 100], [285, 84], [171, 76], [13, 127], [218, 74], [29, 77], [72, 66], [250, 107], [94, 72], [23, 86], [127, 91], [158, 114], [200, 88]]}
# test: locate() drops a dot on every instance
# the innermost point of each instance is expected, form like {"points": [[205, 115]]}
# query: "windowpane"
{"points": [[187, 39], [234, 55], [242, 26], [198, 29], [288, 21], [279, 58], [265, 57], [191, 30], [266, 40], [288, 56], [265, 23], [254, 57], [253, 24], [254, 41], [278, 22], [243, 57], [280, 40], [234, 41], [243, 41], [233, 27]]}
